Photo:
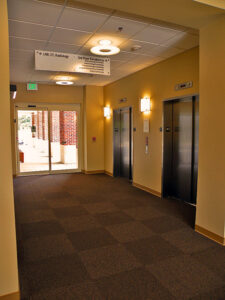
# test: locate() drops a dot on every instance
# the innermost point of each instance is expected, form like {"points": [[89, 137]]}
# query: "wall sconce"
{"points": [[145, 104], [107, 112]]}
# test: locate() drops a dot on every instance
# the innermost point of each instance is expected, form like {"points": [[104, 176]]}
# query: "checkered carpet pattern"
{"points": [[94, 237]]}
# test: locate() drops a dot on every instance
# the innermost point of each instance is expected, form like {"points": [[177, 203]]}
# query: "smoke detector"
{"points": [[135, 48]]}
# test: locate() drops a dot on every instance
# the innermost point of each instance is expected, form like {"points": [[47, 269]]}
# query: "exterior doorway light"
{"points": [[145, 104], [107, 112], [105, 48]]}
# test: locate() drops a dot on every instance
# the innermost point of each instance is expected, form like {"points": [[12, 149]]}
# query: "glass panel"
{"points": [[33, 140], [64, 140]]}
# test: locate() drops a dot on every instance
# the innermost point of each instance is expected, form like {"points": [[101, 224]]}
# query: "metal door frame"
{"points": [[173, 99], [130, 109], [46, 107]]}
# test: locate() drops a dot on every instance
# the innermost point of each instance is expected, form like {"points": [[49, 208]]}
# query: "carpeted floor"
{"points": [[96, 237]]}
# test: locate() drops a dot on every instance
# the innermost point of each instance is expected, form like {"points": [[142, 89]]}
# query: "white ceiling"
{"points": [[36, 25]]}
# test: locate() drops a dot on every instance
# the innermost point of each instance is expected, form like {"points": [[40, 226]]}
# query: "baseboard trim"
{"points": [[93, 172], [12, 296], [146, 189], [108, 173], [211, 235]]}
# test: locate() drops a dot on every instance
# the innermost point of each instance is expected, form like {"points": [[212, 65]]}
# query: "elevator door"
{"points": [[180, 149], [122, 143]]}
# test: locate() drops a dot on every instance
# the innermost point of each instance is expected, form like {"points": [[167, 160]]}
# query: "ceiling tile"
{"points": [[82, 20], [20, 70], [125, 56], [66, 48], [29, 30], [115, 63], [145, 48], [183, 41], [72, 37], [129, 27], [155, 34], [26, 44], [16, 54], [33, 11], [164, 52]]}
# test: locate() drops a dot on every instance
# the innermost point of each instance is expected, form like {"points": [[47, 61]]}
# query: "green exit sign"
{"points": [[32, 86]]}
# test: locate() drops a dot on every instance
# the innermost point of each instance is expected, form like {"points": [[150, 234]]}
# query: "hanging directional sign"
{"points": [[75, 63]]}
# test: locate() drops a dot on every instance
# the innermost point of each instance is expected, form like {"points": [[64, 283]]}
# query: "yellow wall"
{"points": [[94, 127], [211, 180], [8, 256], [50, 94], [157, 82]]}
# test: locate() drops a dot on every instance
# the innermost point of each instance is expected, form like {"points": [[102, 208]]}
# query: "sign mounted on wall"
{"points": [[75, 63], [185, 85], [31, 86]]}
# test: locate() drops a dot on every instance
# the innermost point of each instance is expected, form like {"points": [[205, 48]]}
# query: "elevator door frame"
{"points": [[194, 97], [47, 107], [130, 109]]}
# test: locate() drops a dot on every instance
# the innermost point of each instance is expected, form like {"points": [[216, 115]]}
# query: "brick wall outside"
{"points": [[44, 125], [39, 125], [63, 126], [68, 128], [55, 132]]}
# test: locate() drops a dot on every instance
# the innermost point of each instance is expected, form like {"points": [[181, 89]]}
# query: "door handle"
{"points": [[167, 129]]}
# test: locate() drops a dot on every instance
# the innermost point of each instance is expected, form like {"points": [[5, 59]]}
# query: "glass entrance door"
{"points": [[64, 140], [32, 140], [47, 140]]}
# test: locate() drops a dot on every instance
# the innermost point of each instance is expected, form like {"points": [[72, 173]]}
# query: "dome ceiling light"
{"points": [[105, 48], [64, 82]]}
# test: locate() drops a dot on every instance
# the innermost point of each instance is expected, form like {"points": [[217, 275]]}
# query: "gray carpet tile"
{"points": [[130, 231], [36, 215], [94, 238], [143, 212], [112, 218], [214, 259], [100, 207], [187, 240], [58, 203], [184, 277], [108, 260], [82, 291], [137, 284], [39, 248], [64, 212], [164, 224], [38, 229], [215, 294], [55, 272], [152, 249], [79, 223]]}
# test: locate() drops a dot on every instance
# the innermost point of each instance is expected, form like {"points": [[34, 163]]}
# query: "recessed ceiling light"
{"points": [[105, 48], [64, 82]]}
